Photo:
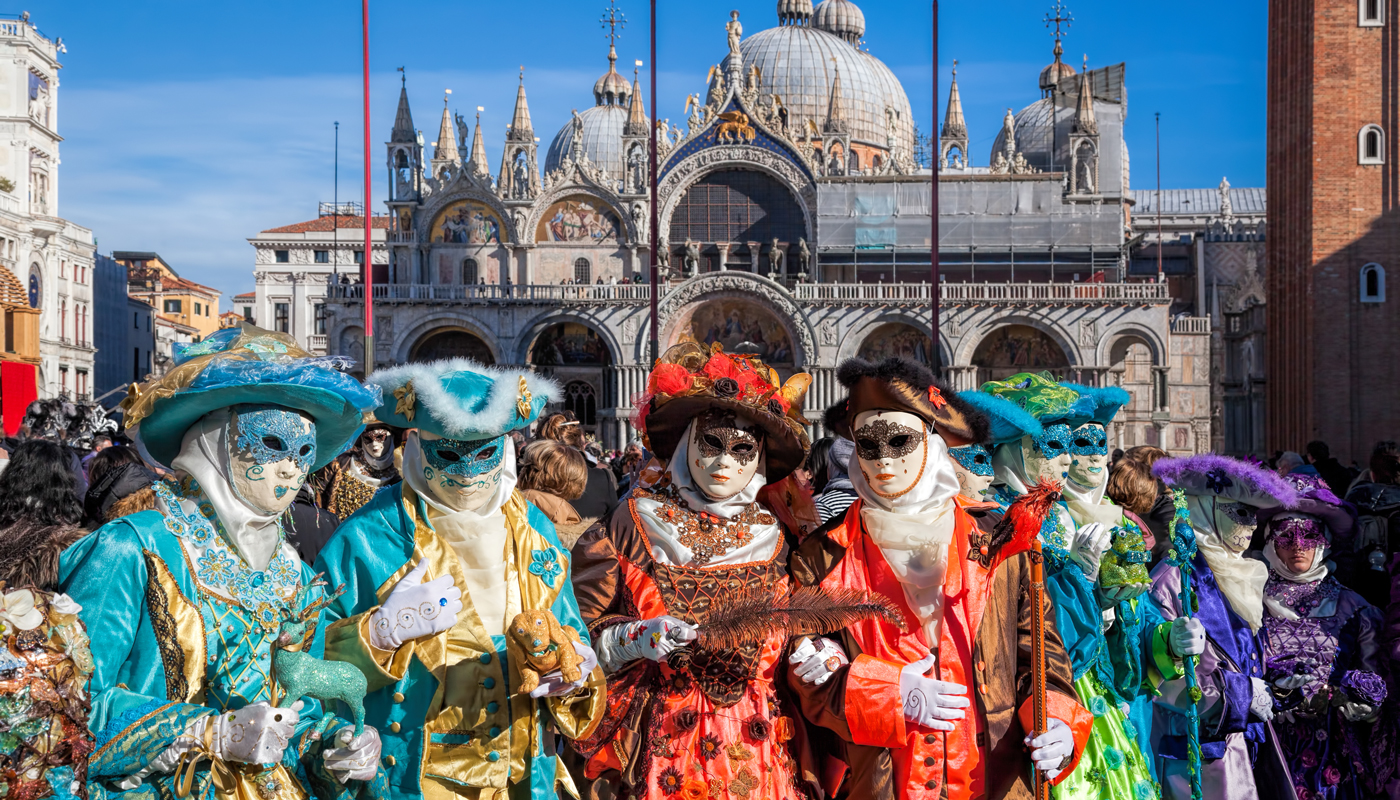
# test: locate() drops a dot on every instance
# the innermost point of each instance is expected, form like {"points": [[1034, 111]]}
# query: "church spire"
{"points": [[636, 113], [447, 138], [477, 165], [520, 128], [835, 110], [954, 125], [1084, 120], [403, 121]]}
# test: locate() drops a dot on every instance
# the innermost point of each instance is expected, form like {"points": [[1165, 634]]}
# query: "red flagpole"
{"points": [[369, 217], [655, 234], [933, 205]]}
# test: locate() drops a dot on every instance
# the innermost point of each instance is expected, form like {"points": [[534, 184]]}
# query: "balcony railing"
{"points": [[1191, 325], [951, 294]]}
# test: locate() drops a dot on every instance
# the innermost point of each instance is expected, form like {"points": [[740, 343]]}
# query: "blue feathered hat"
{"points": [[247, 365], [461, 399], [1106, 402], [1009, 422]]}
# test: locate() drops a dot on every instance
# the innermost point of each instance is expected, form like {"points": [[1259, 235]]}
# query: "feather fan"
{"points": [[750, 617], [1022, 521]]}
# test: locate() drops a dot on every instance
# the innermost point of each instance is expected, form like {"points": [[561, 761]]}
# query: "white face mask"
{"points": [[462, 474], [272, 450], [1235, 522], [1047, 456], [970, 484], [892, 449], [375, 443], [1089, 464], [725, 452]]}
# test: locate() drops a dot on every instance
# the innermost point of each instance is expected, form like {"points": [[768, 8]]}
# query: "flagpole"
{"points": [[655, 334], [934, 275], [369, 217]]}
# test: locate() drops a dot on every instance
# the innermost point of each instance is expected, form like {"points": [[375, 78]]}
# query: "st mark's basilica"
{"points": [[794, 222]]}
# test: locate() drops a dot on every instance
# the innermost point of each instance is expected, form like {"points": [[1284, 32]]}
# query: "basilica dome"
{"points": [[1036, 136], [799, 64], [601, 125]]}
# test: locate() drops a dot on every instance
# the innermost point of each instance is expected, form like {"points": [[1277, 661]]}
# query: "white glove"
{"points": [[815, 664], [1187, 637], [353, 757], [1113, 595], [1051, 747], [254, 734], [554, 685], [1291, 682], [928, 702], [1359, 712], [1088, 547], [415, 609], [650, 638], [1262, 705]]}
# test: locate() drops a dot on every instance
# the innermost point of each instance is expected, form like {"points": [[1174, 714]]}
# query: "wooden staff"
{"points": [[1041, 784]]}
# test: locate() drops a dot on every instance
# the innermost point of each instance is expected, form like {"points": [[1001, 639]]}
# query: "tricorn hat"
{"points": [[898, 384], [460, 399]]}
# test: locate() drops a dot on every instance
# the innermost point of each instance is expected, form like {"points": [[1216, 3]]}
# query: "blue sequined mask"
{"points": [[1054, 442], [268, 434], [468, 458], [974, 458], [1089, 440]]}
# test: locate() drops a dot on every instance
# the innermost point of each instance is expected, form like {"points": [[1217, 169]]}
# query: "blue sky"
{"points": [[191, 126]]}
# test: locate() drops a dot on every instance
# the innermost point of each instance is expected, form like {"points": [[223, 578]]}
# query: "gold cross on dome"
{"points": [[614, 20]]}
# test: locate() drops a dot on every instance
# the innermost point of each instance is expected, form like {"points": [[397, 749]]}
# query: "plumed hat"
{"points": [[898, 384], [1042, 397], [1315, 499], [1007, 422], [690, 378], [458, 398], [1229, 479], [247, 365], [1106, 402]]}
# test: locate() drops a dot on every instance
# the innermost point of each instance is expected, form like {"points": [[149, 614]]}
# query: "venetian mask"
{"points": [[375, 443], [272, 451], [892, 448], [1235, 523], [462, 474], [725, 453], [973, 465], [1047, 457], [1089, 452]]}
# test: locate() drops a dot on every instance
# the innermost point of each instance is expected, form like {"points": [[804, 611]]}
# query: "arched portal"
{"points": [[452, 343], [741, 325], [577, 357], [1012, 349], [897, 340], [1131, 362], [733, 207]]}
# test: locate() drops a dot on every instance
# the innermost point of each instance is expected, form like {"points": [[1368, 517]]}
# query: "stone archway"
{"points": [[577, 356], [443, 343], [897, 340], [1012, 349], [773, 306]]}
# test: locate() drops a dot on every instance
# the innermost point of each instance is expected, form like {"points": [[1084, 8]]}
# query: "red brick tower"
{"points": [[1334, 224]]}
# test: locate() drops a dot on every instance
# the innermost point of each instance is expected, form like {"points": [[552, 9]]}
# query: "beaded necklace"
{"points": [[703, 533]]}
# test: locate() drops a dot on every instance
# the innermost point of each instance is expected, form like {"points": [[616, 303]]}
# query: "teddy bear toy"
{"points": [[539, 645]]}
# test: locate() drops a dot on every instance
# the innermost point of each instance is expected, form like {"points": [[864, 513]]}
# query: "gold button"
{"points": [[393, 727], [389, 761], [398, 697]]}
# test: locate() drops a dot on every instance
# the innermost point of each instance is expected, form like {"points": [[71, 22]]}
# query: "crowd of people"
{"points": [[279, 581]]}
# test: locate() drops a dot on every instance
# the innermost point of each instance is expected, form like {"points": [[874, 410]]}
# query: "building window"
{"points": [[136, 365], [469, 271], [1371, 145], [282, 256], [1373, 283], [281, 315], [359, 256], [136, 322], [35, 285], [82, 383], [247, 313], [198, 309], [63, 380], [320, 311], [1372, 13], [172, 306], [323, 256], [582, 271]]}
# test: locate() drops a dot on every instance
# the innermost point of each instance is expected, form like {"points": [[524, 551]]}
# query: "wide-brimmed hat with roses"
{"points": [[690, 378]]}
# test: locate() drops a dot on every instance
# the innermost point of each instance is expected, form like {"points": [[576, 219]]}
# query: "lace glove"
{"points": [[255, 734], [1187, 637], [1088, 547], [815, 664], [652, 639], [1262, 705], [928, 702], [554, 685], [353, 757], [1052, 748], [415, 609]]}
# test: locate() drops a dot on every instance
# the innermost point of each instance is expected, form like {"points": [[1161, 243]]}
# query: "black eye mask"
{"points": [[717, 434], [884, 439]]}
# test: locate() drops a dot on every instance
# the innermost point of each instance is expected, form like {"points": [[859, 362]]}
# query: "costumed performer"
{"points": [[973, 466], [1219, 497], [1325, 658], [354, 476], [186, 601], [692, 721], [1032, 430], [438, 568], [944, 709]]}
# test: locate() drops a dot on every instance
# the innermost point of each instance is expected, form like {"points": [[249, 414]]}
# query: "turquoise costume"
{"points": [[181, 625], [1109, 667], [453, 721]]}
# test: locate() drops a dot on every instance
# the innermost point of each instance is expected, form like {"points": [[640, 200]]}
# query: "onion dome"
{"points": [[612, 89], [1057, 71], [794, 12], [840, 17]]}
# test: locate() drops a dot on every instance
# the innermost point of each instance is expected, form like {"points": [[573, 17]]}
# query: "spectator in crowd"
{"points": [[552, 476], [1159, 516], [815, 466], [599, 496], [1336, 476], [39, 513], [838, 494], [1288, 462], [120, 485], [1362, 561], [1132, 485], [634, 458]]}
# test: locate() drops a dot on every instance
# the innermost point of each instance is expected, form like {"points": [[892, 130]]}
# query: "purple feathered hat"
{"points": [[1315, 499], [1229, 479]]}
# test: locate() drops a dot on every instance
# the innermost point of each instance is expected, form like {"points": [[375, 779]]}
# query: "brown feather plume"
{"points": [[750, 617]]}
